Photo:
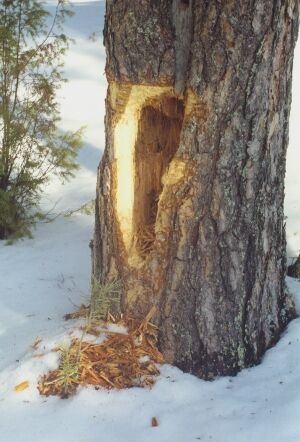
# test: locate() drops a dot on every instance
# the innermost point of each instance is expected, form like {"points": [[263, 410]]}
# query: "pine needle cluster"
{"points": [[104, 298], [68, 371]]}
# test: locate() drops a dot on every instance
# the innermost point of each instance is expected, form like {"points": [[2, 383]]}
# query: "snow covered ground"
{"points": [[42, 278]]}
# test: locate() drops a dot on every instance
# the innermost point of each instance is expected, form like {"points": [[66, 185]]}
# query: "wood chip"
{"points": [[121, 361], [22, 386]]}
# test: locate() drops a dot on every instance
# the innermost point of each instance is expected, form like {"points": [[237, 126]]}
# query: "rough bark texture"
{"points": [[203, 237]]}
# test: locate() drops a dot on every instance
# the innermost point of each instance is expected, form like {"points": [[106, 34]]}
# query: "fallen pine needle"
{"points": [[36, 343]]}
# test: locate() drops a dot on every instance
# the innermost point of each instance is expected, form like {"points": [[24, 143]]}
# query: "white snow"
{"points": [[292, 182], [42, 279]]}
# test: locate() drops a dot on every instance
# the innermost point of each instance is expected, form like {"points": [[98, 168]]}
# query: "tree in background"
{"points": [[31, 146], [189, 209]]}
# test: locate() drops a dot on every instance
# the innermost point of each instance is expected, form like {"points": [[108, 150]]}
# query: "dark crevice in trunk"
{"points": [[157, 142]]}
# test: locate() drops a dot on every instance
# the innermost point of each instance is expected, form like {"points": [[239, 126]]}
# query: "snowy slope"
{"points": [[42, 278], [292, 182]]}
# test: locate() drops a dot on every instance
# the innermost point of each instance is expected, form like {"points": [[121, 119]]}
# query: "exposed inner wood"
{"points": [[127, 104], [157, 142]]}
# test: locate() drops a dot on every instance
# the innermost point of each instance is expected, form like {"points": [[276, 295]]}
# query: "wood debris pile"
{"points": [[121, 361]]}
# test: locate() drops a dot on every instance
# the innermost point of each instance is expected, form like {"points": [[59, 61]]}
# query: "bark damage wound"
{"points": [[147, 127], [156, 144]]}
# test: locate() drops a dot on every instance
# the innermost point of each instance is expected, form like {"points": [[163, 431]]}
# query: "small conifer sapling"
{"points": [[32, 147]]}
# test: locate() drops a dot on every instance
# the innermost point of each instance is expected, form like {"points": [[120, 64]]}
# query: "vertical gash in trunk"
{"points": [[189, 208], [156, 144]]}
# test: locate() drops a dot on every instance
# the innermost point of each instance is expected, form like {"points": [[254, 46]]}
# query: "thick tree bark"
{"points": [[189, 213]]}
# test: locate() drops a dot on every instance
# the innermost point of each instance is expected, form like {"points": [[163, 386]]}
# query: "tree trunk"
{"points": [[189, 211]]}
